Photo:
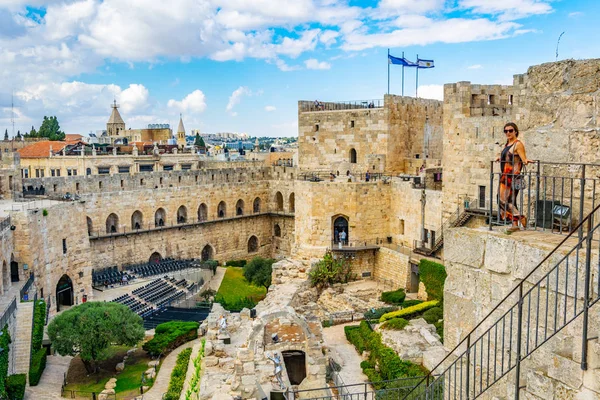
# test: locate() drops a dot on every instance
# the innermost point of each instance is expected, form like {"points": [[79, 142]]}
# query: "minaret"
{"points": [[256, 146], [180, 132], [115, 125]]}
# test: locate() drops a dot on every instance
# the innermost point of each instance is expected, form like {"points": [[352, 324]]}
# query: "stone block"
{"points": [[499, 254], [566, 371], [248, 367], [591, 379], [211, 361], [540, 385], [248, 380], [120, 367]]}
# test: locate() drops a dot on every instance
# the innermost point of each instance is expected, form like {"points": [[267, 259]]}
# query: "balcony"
{"points": [[314, 106]]}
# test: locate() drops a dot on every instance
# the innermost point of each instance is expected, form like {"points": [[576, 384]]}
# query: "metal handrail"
{"points": [[472, 345]]}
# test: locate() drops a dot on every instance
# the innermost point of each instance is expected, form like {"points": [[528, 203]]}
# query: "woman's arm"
{"points": [[520, 150]]}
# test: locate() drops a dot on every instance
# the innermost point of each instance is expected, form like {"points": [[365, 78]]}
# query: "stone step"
{"points": [[22, 341]]}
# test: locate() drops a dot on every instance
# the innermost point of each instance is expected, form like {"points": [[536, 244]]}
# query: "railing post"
{"points": [[586, 290], [537, 192], [582, 202], [519, 329], [468, 392], [365, 391], [491, 193]]}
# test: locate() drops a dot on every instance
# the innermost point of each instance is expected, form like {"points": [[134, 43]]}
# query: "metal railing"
{"points": [[354, 244], [382, 390], [25, 289], [316, 105], [10, 310], [457, 218], [558, 290], [325, 176]]}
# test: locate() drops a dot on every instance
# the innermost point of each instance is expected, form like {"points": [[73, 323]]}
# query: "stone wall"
{"points": [[10, 175], [6, 254], [392, 267]]}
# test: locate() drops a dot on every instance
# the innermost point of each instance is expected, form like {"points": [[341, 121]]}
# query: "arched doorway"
{"points": [[295, 365], [292, 203], [137, 220], [239, 207], [279, 201], [155, 258], [160, 217], [352, 156], [207, 253], [340, 224], [277, 230], [90, 226], [256, 205], [64, 292], [14, 269], [112, 223], [202, 213], [182, 215], [222, 210], [252, 244]]}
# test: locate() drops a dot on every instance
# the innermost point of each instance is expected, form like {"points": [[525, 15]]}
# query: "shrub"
{"points": [[433, 315], [394, 297], [236, 305], [259, 271], [45, 212], [38, 363], [170, 335], [235, 263], [15, 386], [377, 313], [4, 342], [178, 375], [326, 324], [410, 311], [433, 276], [410, 303], [353, 335], [366, 365], [396, 324], [329, 271], [39, 318], [439, 327]]}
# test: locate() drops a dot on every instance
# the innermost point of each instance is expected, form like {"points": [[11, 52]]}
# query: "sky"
{"points": [[242, 65]]}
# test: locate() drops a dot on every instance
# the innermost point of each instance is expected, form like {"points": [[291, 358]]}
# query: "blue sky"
{"points": [[242, 65]]}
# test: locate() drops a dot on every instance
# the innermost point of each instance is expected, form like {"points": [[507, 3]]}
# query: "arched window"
{"points": [[137, 220], [353, 156], [202, 213], [256, 205], [88, 171], [182, 215], [277, 230], [207, 253], [292, 203], [279, 201], [112, 223], [252, 244], [341, 232], [222, 210], [239, 207], [160, 217], [90, 226]]}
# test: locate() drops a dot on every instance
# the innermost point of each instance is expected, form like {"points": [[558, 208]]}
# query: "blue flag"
{"points": [[400, 61], [424, 63]]}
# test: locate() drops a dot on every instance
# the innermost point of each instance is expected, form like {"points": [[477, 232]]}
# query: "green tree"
{"points": [[18, 137], [6, 134], [199, 142], [51, 129], [258, 271], [33, 133], [89, 329]]}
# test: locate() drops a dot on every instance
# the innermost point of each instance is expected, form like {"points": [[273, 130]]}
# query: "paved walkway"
{"points": [[345, 354], [216, 280], [161, 383], [51, 381]]}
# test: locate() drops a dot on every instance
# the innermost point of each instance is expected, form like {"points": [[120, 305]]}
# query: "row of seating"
{"points": [[138, 307], [159, 268], [171, 298], [110, 276], [149, 287], [158, 295]]}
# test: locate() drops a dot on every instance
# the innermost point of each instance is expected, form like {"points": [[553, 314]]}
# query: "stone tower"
{"points": [[115, 125], [256, 146], [180, 132]]}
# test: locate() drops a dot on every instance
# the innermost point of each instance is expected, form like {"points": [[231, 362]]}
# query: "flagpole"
{"points": [[403, 75], [417, 80], [388, 63]]}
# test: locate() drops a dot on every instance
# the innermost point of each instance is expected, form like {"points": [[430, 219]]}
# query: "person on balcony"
{"points": [[512, 159]]}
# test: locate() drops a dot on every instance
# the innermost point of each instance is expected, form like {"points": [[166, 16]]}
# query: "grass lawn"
{"points": [[128, 381], [234, 286]]}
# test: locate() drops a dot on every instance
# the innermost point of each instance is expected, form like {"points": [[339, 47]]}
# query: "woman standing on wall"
{"points": [[512, 159]]}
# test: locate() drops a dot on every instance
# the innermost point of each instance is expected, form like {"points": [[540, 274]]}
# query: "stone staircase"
{"points": [[22, 341]]}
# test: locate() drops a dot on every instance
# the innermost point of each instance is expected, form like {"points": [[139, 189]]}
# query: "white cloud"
{"points": [[135, 97], [270, 108], [283, 66], [575, 14], [329, 37], [475, 66], [412, 6], [507, 9], [194, 102], [435, 92], [236, 97], [313, 63]]}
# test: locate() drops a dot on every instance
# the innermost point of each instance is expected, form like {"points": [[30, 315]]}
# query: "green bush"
{"points": [[258, 271], [329, 271], [326, 324], [38, 363], [410, 311], [433, 315], [366, 365], [439, 327], [410, 303], [433, 276], [15, 386], [396, 324], [178, 375], [353, 335], [394, 297], [39, 319], [235, 263], [378, 312], [236, 305], [170, 335], [4, 342]]}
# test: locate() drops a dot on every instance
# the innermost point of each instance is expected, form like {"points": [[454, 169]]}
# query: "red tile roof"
{"points": [[42, 149]]}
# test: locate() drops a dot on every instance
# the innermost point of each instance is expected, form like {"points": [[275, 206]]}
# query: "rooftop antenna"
{"points": [[557, 43], [12, 112]]}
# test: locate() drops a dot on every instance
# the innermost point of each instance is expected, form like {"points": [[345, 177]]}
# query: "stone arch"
{"points": [[207, 253], [160, 217], [222, 210], [292, 202], [239, 207], [352, 156], [279, 201], [257, 333], [277, 230], [252, 244], [155, 258], [14, 269], [182, 215], [90, 225], [202, 213], [112, 223], [64, 292], [340, 223], [137, 220], [256, 205]]}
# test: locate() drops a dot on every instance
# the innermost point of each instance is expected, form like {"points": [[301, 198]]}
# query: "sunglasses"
{"points": [[509, 130]]}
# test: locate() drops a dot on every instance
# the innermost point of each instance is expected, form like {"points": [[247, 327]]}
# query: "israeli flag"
{"points": [[425, 63], [400, 61]]}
